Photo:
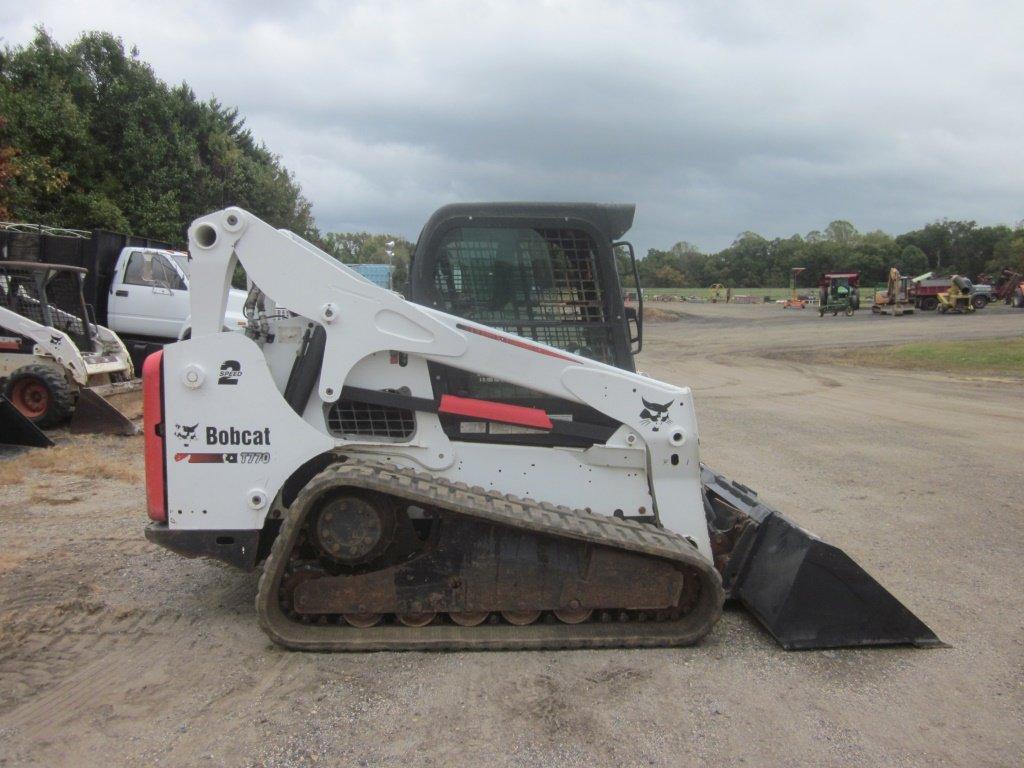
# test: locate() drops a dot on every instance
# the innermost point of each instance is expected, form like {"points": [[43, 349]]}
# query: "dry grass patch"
{"points": [[658, 315], [50, 495], [84, 458]]}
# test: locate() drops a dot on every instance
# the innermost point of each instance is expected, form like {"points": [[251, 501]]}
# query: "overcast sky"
{"points": [[713, 117]]}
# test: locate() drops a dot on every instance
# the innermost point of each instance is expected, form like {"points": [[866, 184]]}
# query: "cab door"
{"points": [[148, 296]]}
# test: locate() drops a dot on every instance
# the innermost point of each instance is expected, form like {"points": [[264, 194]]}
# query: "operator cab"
{"points": [[543, 271], [48, 294]]}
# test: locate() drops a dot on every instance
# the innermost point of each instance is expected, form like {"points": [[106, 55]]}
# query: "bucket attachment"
{"points": [[15, 429], [806, 593], [94, 414]]}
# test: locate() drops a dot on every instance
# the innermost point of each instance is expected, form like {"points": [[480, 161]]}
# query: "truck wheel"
{"points": [[979, 301], [928, 303], [41, 394], [1018, 298]]}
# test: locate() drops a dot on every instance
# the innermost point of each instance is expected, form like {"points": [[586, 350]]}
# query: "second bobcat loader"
{"points": [[482, 468], [56, 363]]}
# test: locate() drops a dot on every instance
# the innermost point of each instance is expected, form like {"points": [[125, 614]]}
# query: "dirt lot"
{"points": [[113, 652]]}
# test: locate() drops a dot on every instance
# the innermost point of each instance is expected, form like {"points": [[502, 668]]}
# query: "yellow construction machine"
{"points": [[897, 298], [958, 298]]}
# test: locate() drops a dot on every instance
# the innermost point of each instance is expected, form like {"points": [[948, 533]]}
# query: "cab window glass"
{"points": [[536, 282], [163, 274], [508, 274]]}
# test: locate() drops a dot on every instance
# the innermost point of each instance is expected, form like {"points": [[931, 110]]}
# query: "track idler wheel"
{"points": [[352, 528]]}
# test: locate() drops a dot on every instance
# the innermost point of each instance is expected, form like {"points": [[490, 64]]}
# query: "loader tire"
{"points": [[41, 394]]}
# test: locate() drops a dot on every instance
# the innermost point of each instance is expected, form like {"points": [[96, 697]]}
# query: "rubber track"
{"points": [[490, 506]]}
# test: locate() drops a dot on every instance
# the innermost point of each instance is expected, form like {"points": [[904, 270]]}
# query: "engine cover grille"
{"points": [[353, 418]]}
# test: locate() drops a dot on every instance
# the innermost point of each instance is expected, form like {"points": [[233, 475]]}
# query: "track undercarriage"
{"points": [[371, 557]]}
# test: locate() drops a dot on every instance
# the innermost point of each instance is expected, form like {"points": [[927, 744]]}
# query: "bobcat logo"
{"points": [[185, 434], [56, 340], [655, 414]]}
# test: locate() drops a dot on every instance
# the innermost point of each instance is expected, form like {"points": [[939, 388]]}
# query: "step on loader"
{"points": [[56, 364], [477, 467]]}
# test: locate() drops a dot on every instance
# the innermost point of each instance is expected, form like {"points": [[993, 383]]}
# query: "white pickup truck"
{"points": [[148, 296], [136, 287]]}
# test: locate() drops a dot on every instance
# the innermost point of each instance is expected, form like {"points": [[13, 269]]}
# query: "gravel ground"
{"points": [[114, 652]]}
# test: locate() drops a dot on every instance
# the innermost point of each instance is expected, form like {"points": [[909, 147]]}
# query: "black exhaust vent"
{"points": [[354, 418]]}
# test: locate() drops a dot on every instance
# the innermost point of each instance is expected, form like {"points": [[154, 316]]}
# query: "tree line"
{"points": [[91, 138], [753, 261]]}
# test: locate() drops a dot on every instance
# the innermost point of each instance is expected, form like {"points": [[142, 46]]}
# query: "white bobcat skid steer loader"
{"points": [[393, 507], [55, 364]]}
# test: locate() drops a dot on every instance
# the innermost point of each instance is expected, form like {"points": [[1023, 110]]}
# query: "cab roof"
{"points": [[611, 219]]}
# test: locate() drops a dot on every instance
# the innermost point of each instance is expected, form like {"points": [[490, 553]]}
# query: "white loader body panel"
{"points": [[232, 441], [53, 344]]}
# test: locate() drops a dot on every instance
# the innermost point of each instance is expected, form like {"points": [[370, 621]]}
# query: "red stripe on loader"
{"points": [[513, 342], [491, 411], [201, 458], [152, 424]]}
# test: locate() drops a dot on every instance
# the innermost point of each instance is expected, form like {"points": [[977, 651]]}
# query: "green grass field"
{"points": [[705, 293], [987, 357]]}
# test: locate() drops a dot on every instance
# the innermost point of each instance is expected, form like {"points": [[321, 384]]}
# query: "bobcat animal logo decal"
{"points": [[185, 434], [654, 413]]}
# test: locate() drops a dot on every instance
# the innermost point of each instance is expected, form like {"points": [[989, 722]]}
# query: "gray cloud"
{"points": [[715, 118]]}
